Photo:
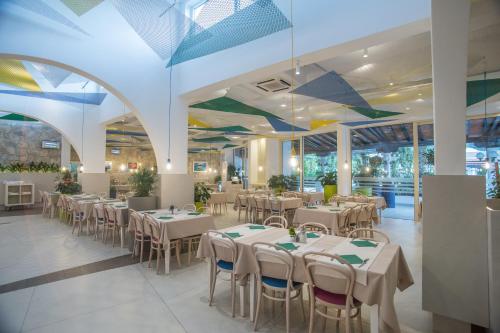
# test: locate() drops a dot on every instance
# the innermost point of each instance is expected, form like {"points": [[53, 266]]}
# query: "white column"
{"points": [[449, 39], [65, 152], [272, 162], [343, 155]]}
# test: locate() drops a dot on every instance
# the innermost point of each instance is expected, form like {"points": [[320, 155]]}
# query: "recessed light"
{"points": [[419, 94], [299, 117], [274, 132], [407, 108], [283, 105], [365, 53], [420, 100], [235, 137], [391, 83]]}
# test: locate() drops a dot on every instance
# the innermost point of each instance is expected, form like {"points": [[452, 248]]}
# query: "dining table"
{"points": [[121, 209], [329, 215], [177, 225], [380, 268]]}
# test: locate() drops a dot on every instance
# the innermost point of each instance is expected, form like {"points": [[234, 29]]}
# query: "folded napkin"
{"points": [[363, 243], [288, 246], [165, 217], [121, 206], [194, 213], [150, 212], [312, 235], [335, 209], [254, 227], [312, 207], [233, 234], [352, 259]]}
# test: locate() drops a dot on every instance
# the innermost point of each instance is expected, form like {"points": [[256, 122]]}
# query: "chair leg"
{"points": [[337, 324], [151, 249], [287, 310], [142, 250], [134, 247], [158, 258], [311, 313], [301, 296], [213, 280], [233, 293], [114, 232], [177, 252], [259, 303], [360, 324], [323, 322], [190, 244]]}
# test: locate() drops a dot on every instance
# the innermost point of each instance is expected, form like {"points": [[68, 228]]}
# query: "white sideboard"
{"points": [[18, 193]]}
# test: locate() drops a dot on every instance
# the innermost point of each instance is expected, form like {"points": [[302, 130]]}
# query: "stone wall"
{"points": [[133, 155], [214, 160], [21, 141]]}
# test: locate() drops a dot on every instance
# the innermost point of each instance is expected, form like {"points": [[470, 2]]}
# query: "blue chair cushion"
{"points": [[277, 283], [227, 265]]}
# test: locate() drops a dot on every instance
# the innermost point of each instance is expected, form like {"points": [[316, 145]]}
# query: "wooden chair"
{"points": [[276, 207], [189, 207], [98, 213], [158, 244], [80, 214], [316, 227], [276, 221], [140, 236], [331, 286], [242, 206], [369, 234], [273, 282], [343, 222], [110, 223], [223, 256]]}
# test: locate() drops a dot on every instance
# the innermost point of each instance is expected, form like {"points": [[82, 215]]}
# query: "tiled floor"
{"points": [[134, 298]]}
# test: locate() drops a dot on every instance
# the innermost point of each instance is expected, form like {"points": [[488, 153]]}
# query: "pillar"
{"points": [[65, 152], [343, 156], [449, 40]]}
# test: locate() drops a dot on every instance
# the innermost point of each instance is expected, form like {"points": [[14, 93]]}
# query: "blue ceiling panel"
{"points": [[87, 98]]}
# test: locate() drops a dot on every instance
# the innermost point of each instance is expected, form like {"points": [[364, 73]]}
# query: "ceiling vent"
{"points": [[273, 85]]}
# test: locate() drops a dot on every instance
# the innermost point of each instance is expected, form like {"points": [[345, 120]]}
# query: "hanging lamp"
{"points": [[82, 168], [169, 160], [294, 162], [487, 164]]}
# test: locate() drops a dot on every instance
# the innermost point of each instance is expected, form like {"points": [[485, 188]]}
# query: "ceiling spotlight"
{"points": [[419, 94], [283, 105], [391, 83], [261, 168], [293, 161], [407, 108], [420, 100], [297, 67], [365, 53], [299, 117], [235, 137]]}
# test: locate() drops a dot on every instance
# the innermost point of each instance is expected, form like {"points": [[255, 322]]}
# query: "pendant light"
{"points": [[123, 167], [82, 168], [169, 160], [487, 164], [293, 154]]}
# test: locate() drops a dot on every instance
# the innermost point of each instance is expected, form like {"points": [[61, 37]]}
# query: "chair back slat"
{"points": [[273, 261], [222, 247]]}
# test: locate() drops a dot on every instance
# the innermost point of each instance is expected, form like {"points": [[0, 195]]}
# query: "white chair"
{"points": [[242, 206], [189, 207], [275, 267], [158, 244], [276, 207], [343, 222], [331, 286], [315, 226], [276, 221], [369, 234], [140, 236], [80, 214], [223, 256], [98, 213], [110, 223]]}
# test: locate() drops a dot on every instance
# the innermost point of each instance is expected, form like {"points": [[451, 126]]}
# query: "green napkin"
{"points": [[312, 235], [312, 207], [352, 259], [165, 217], [121, 206], [363, 243], [254, 227], [233, 234], [194, 213], [150, 212], [335, 209], [288, 246]]}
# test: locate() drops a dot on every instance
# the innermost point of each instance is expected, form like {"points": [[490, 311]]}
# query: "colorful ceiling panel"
{"points": [[281, 126], [80, 7], [213, 139], [17, 117], [259, 19], [480, 90], [55, 75], [226, 104], [222, 129], [372, 113], [192, 121], [317, 123], [364, 122], [87, 98], [13, 72]]}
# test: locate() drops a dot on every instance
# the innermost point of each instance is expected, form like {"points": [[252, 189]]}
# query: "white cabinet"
{"points": [[18, 193]]}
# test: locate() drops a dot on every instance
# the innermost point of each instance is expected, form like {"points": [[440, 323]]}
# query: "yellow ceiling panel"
{"points": [[317, 123], [13, 72], [193, 122], [402, 96]]}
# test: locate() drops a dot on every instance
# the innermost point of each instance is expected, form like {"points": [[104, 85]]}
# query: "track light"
{"points": [[365, 53]]}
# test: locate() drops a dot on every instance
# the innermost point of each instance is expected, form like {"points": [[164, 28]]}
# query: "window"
{"points": [[320, 157]]}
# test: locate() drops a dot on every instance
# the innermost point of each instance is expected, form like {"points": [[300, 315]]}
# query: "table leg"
{"points": [[167, 258], [374, 318], [242, 301], [252, 296], [122, 237]]}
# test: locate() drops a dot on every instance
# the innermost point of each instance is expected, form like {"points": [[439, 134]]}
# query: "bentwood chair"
{"points": [[275, 267], [160, 244], [343, 222], [80, 214], [315, 227], [369, 234], [110, 223], [223, 256], [276, 221], [331, 286], [140, 236], [98, 213], [43, 198], [276, 207], [189, 207], [242, 206]]}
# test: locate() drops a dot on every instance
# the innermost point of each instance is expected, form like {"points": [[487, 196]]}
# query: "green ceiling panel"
{"points": [[480, 90], [18, 117], [373, 113], [222, 129], [229, 146], [213, 139], [80, 7], [226, 104]]}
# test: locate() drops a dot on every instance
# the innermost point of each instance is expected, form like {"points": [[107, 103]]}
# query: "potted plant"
{"points": [[277, 183], [231, 171], [67, 185], [292, 233], [329, 183], [201, 195], [142, 183]]}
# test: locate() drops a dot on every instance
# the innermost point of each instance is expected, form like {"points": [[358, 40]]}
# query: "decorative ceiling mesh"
{"points": [[226, 104], [53, 74], [13, 72], [80, 7], [40, 8], [236, 128]]}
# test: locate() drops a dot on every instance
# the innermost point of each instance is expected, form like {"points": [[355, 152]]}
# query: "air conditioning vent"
{"points": [[273, 85]]}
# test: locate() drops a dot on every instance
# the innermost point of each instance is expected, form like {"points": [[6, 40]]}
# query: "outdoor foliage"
{"points": [[281, 182], [201, 192], [494, 191], [143, 182], [231, 171], [329, 178], [67, 184], [30, 167]]}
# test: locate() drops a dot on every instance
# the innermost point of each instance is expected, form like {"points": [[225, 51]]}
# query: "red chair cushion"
{"points": [[332, 298]]}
